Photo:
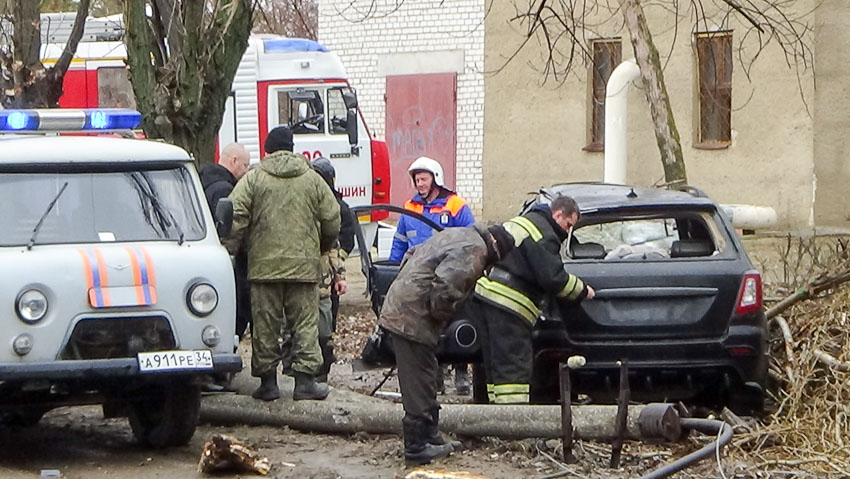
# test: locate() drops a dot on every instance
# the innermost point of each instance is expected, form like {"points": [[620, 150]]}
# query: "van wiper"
{"points": [[163, 213], [44, 215]]}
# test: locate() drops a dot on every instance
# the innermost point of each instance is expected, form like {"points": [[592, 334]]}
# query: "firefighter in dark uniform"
{"points": [[434, 279], [508, 299]]}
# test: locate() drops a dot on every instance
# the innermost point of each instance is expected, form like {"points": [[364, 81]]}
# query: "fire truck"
{"points": [[280, 81]]}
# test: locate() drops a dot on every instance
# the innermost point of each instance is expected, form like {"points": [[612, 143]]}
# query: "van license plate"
{"points": [[175, 361]]}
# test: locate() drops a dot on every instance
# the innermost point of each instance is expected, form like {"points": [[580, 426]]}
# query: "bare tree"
{"points": [[565, 28], [291, 18], [25, 81], [183, 56]]}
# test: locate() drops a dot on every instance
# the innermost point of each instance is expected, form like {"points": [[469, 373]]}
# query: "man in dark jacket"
{"points": [[508, 299], [218, 181], [434, 279], [333, 283]]}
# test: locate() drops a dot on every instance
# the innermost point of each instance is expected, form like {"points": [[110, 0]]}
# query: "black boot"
{"points": [[328, 358], [432, 431], [268, 390], [417, 449], [306, 387]]}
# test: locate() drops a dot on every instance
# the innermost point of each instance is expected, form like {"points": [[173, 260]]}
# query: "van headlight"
{"points": [[202, 299], [31, 306]]}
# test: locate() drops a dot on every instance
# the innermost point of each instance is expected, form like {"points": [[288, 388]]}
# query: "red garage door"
{"points": [[421, 121]]}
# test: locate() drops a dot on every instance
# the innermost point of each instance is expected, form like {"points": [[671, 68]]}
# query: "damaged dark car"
{"points": [[677, 300]]}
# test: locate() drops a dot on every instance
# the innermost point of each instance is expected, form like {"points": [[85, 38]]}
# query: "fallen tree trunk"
{"points": [[341, 416]]}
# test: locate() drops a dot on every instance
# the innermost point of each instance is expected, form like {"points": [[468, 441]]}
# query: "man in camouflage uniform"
{"points": [[286, 216], [432, 282]]}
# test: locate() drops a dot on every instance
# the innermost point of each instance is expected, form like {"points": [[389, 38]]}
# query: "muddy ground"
{"points": [[79, 443]]}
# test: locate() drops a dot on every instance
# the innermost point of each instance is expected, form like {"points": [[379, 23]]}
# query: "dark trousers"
{"points": [[243, 294], [507, 350], [417, 376]]}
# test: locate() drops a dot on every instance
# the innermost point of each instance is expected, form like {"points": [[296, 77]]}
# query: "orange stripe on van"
{"points": [[137, 276], [104, 276]]}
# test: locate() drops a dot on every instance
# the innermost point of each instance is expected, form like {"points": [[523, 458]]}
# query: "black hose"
{"points": [[705, 426]]}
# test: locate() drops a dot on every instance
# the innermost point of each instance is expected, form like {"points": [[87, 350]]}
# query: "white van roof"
{"points": [[36, 149]]}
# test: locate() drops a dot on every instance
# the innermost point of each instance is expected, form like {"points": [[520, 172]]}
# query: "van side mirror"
{"points": [[223, 217], [350, 99], [351, 128]]}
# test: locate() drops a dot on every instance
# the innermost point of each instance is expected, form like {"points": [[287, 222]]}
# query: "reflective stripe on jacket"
{"points": [[447, 210], [533, 270]]}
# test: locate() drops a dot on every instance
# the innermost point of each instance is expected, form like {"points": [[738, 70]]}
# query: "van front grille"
{"points": [[111, 338]]}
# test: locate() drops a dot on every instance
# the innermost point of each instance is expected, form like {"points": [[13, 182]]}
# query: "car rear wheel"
{"points": [[168, 417]]}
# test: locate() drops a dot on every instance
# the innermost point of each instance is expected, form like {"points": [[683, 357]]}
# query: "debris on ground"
{"points": [[226, 453], [442, 474]]}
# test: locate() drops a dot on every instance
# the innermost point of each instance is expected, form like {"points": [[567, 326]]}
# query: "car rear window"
{"points": [[647, 236]]}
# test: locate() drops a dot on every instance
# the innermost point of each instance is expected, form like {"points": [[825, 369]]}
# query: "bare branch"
{"points": [[58, 70]]}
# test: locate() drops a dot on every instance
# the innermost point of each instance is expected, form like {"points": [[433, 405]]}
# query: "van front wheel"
{"points": [[167, 417]]}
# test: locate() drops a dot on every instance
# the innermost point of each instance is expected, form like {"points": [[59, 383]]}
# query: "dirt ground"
{"points": [[79, 443]]}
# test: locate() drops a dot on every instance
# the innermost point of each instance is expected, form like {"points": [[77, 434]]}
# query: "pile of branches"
{"points": [[807, 433]]}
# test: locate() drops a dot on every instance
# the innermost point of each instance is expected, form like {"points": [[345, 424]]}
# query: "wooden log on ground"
{"points": [[349, 416]]}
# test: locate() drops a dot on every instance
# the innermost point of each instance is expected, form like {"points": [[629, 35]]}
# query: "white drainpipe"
{"points": [[616, 142], [616, 117]]}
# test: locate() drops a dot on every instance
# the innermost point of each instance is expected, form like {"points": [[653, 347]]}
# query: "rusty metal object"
{"points": [[566, 414], [660, 421], [622, 415]]}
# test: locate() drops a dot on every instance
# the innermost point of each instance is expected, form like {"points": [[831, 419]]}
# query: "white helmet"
{"points": [[423, 163]]}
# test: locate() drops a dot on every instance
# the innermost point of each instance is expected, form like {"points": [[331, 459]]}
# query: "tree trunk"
{"points": [[652, 74], [341, 413], [181, 90], [34, 85]]}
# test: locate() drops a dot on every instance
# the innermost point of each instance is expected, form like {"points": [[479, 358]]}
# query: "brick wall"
{"points": [[422, 36]]}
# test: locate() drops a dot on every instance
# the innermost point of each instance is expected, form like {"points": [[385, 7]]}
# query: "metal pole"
{"points": [[622, 414], [566, 414]]}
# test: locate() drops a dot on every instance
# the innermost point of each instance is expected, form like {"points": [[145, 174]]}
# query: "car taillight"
{"points": [[380, 177], [750, 295]]}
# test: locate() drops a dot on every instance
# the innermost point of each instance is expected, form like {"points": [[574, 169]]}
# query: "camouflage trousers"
{"points": [[285, 308]]}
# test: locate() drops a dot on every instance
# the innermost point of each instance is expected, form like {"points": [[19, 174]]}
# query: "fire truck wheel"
{"points": [[167, 418]]}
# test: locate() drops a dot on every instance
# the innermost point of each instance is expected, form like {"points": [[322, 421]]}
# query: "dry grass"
{"points": [[808, 431]]}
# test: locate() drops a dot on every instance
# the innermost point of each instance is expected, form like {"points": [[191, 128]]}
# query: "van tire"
{"points": [[167, 418]]}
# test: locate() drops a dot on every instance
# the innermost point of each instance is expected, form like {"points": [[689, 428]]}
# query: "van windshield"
{"points": [[99, 207]]}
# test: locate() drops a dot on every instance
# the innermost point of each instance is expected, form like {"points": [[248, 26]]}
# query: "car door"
{"points": [[380, 274]]}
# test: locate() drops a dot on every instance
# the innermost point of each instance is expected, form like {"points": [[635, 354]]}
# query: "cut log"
{"points": [[349, 417]]}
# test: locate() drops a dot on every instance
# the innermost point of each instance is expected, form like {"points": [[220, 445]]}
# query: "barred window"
{"points": [[607, 54], [714, 74]]}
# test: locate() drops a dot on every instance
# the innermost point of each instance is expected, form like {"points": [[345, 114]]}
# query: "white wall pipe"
{"points": [[750, 217], [616, 118]]}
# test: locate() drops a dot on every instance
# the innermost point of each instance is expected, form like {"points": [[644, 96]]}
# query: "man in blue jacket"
{"points": [[432, 200], [442, 206]]}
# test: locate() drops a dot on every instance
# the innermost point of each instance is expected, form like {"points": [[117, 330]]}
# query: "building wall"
{"points": [[426, 36], [535, 130], [832, 114]]}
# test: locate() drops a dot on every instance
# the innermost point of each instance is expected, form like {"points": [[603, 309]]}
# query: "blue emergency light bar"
{"points": [[61, 119], [292, 45]]}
